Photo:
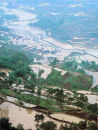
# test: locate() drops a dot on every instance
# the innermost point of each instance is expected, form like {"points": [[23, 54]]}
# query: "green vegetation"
{"points": [[56, 105], [66, 28], [93, 108], [2, 74], [6, 125], [13, 61], [39, 118], [72, 66], [78, 82], [83, 125], [40, 73], [90, 65], [95, 89], [55, 100], [70, 80], [20, 73], [17, 62], [47, 103], [55, 79], [49, 125], [54, 63]]}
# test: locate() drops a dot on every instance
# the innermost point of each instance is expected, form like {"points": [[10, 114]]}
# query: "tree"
{"points": [[49, 125], [20, 127], [38, 118], [93, 108], [19, 81], [31, 85], [64, 127], [33, 76], [70, 65], [82, 125], [12, 76], [33, 89], [73, 126], [60, 95], [42, 117], [2, 74], [39, 91], [6, 125], [79, 104], [75, 93], [54, 62], [92, 126], [83, 98], [55, 78], [50, 92], [38, 97], [40, 73]]}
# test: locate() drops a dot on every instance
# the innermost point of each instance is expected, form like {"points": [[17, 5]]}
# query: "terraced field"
{"points": [[29, 25]]}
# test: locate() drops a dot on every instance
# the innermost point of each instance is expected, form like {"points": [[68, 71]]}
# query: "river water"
{"points": [[95, 77]]}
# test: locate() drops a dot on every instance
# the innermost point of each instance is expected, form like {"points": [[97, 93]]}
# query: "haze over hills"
{"points": [[49, 27]]}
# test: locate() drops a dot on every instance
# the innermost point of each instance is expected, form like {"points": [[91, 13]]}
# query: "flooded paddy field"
{"points": [[26, 117], [19, 115]]}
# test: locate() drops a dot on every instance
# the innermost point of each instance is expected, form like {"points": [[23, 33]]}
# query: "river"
{"points": [[95, 77]]}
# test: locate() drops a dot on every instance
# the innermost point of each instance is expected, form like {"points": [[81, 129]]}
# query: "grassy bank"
{"points": [[47, 103]]}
